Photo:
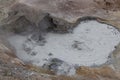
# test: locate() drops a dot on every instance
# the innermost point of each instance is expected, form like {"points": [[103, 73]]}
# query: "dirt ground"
{"points": [[66, 11]]}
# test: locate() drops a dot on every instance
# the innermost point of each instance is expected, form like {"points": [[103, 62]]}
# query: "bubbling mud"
{"points": [[89, 44]]}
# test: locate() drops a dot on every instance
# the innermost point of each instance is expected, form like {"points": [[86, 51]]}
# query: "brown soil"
{"points": [[64, 13]]}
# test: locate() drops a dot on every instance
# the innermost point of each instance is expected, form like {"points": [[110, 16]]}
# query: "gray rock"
{"points": [[59, 67]]}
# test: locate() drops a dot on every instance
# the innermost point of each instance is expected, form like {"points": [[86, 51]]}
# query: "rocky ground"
{"points": [[62, 13]]}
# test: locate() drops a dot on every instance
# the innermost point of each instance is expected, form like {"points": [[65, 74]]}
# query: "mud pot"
{"points": [[89, 44]]}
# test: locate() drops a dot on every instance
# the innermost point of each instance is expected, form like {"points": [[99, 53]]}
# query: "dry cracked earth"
{"points": [[63, 14]]}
